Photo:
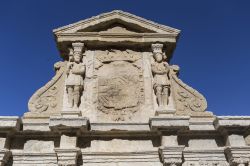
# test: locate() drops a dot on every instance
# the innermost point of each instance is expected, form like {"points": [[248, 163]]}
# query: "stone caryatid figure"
{"points": [[160, 70], [75, 75]]}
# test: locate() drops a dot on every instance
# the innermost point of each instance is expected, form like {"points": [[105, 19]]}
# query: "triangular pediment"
{"points": [[116, 26], [116, 22]]}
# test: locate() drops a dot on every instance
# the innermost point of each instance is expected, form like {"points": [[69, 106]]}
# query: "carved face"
{"points": [[77, 57], [158, 57]]}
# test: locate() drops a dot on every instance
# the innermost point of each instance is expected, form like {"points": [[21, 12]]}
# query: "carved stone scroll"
{"points": [[187, 100], [46, 100]]}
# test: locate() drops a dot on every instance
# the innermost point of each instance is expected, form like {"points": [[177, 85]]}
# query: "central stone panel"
{"points": [[120, 85]]}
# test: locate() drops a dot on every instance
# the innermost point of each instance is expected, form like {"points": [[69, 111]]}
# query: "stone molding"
{"points": [[160, 124], [67, 156], [115, 14], [238, 155], [146, 158], [59, 123], [202, 157], [29, 159], [171, 155]]}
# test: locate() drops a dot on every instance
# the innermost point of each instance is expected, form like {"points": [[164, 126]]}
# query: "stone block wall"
{"points": [[182, 140]]}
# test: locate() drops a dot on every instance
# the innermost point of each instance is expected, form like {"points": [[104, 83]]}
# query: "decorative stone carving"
{"points": [[238, 155], [45, 101], [113, 90], [188, 101], [120, 83], [160, 70], [75, 73]]}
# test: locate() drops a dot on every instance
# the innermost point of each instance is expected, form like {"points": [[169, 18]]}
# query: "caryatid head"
{"points": [[158, 54], [77, 51]]}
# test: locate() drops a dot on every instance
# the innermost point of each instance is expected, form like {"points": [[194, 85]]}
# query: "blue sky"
{"points": [[213, 51]]}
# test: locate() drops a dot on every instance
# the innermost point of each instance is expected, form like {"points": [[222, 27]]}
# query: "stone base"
{"points": [[75, 113]]}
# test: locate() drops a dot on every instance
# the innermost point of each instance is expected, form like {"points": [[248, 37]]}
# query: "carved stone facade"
{"points": [[116, 100]]}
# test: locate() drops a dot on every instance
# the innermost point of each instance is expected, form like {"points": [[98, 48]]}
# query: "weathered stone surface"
{"points": [[170, 140], [147, 158], [9, 123], [201, 123], [247, 139], [2, 143], [120, 145], [120, 127], [169, 122], [233, 121], [68, 142], [67, 156], [204, 156], [38, 146], [202, 143], [236, 140], [58, 123], [171, 155], [238, 155], [31, 159], [35, 124]]}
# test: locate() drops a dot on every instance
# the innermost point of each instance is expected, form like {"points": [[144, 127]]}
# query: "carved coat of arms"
{"points": [[120, 88]]}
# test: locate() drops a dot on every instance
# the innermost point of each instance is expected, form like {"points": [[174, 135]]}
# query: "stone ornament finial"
{"points": [[75, 75]]}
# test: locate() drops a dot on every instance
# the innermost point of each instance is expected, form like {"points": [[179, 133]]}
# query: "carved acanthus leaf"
{"points": [[186, 98], [45, 99]]}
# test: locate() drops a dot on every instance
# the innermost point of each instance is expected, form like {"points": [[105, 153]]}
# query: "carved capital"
{"points": [[78, 47], [157, 48]]}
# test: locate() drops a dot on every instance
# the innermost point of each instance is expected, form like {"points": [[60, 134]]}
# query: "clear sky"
{"points": [[213, 51]]}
